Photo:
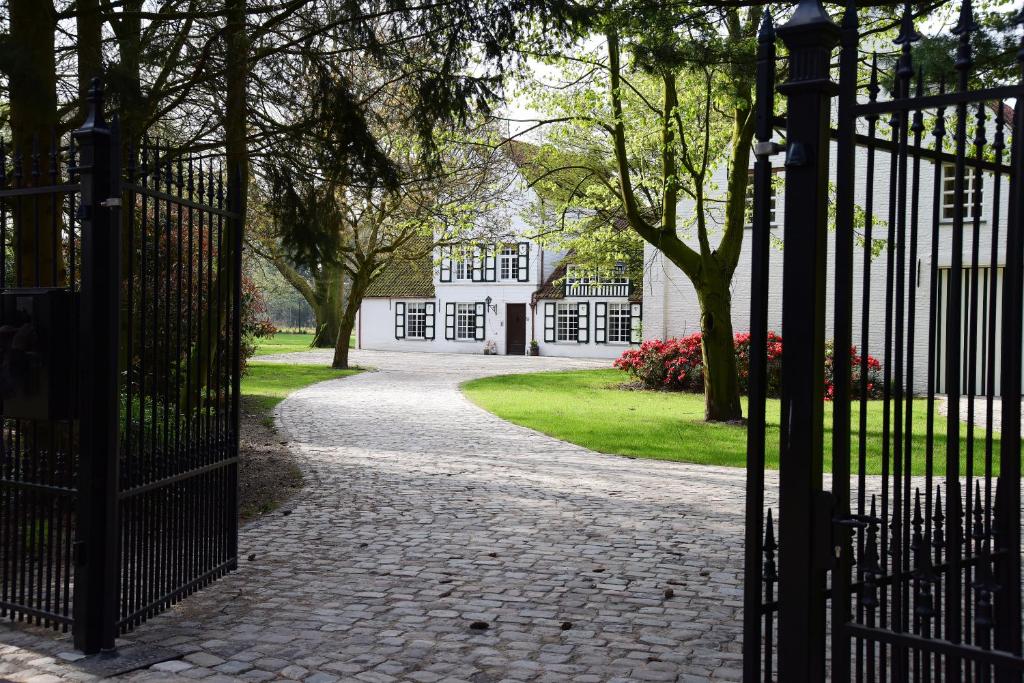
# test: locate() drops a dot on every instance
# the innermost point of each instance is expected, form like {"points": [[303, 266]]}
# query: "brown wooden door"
{"points": [[515, 329]]}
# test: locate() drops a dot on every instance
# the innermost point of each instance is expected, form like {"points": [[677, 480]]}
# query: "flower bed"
{"points": [[677, 364]]}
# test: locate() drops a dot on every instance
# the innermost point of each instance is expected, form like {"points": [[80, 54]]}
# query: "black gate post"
{"points": [[804, 522], [96, 580]]}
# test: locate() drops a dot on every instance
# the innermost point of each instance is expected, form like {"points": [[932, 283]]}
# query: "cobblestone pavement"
{"points": [[436, 542]]}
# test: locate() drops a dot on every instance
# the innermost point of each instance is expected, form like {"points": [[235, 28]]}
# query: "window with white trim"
{"points": [[972, 182], [508, 264], [619, 323], [415, 320], [567, 322], [465, 322], [748, 202], [463, 263]]}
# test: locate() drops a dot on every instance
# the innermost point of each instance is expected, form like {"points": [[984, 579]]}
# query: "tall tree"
{"points": [[648, 134]]}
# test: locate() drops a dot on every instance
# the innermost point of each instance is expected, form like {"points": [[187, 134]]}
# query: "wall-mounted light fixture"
{"points": [[494, 308]]}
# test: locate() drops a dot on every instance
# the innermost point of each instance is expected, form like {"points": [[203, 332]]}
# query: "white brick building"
{"points": [[670, 302]]}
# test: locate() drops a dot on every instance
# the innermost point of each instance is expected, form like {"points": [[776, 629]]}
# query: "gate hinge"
{"points": [[824, 509], [767, 148], [113, 201]]}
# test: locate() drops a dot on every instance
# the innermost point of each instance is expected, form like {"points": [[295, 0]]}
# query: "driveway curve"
{"points": [[434, 541]]}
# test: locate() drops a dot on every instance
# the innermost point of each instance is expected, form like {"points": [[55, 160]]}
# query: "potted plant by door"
{"points": [[490, 348], [534, 348]]}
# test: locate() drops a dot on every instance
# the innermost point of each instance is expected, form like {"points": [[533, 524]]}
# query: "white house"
{"points": [[500, 296], [671, 307]]}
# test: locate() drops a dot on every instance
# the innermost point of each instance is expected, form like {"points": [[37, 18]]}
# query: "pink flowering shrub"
{"points": [[677, 365]]}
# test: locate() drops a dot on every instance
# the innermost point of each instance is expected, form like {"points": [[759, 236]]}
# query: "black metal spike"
{"points": [[924, 607], [908, 34], [19, 162], [965, 23], [54, 158], [770, 546], [850, 20], [869, 565], [965, 26], [766, 32], [998, 140], [938, 522], [34, 169], [979, 132], [873, 88]]}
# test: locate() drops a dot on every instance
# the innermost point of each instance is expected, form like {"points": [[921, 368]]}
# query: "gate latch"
{"points": [[845, 525]]}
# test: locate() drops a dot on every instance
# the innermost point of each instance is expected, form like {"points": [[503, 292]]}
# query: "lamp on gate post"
{"points": [[804, 515]]}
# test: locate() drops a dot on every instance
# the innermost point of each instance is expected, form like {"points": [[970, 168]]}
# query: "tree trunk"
{"points": [[328, 310], [348, 319], [90, 49], [721, 386], [32, 78]]}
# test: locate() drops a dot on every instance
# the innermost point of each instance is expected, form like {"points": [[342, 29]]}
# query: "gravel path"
{"points": [[436, 542]]}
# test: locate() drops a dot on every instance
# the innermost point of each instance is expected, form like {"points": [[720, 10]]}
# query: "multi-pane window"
{"points": [[567, 322], [972, 184], [415, 320], [748, 205], [619, 322], [508, 264], [463, 263], [465, 321]]}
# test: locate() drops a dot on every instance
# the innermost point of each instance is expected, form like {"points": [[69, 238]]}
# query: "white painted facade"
{"points": [[481, 300], [670, 302]]}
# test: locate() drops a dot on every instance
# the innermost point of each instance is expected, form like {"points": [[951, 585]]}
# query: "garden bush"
{"points": [[676, 364]]}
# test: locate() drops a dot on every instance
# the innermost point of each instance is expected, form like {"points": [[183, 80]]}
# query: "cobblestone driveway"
{"points": [[435, 542]]}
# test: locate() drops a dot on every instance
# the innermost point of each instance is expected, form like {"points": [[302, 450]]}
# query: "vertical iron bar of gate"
{"points": [[1008, 604], [97, 533], [843, 332], [237, 219], [761, 226], [804, 527]]}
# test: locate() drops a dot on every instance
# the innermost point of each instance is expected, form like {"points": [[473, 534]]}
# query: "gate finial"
{"points": [[94, 118], [766, 33]]}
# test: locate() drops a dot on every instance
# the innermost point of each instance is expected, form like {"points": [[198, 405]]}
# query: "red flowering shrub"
{"points": [[677, 365]]}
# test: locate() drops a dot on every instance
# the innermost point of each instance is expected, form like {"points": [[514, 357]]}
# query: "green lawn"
{"points": [[588, 408], [267, 384], [289, 342]]}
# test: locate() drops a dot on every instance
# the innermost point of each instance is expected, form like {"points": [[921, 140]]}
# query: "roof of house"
{"points": [[405, 277]]}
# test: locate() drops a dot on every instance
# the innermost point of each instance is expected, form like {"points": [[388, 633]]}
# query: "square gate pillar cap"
{"points": [[810, 23]]}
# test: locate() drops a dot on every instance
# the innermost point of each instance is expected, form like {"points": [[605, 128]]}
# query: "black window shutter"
{"points": [[449, 321], [399, 320], [583, 335], [431, 309], [549, 321], [524, 261]]}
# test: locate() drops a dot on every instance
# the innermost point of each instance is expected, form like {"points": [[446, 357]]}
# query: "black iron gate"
{"points": [[120, 335], [909, 567]]}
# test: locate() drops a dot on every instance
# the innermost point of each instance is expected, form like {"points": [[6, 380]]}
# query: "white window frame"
{"points": [[971, 175], [465, 322], [567, 322], [621, 314], [416, 320], [462, 269], [508, 263]]}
